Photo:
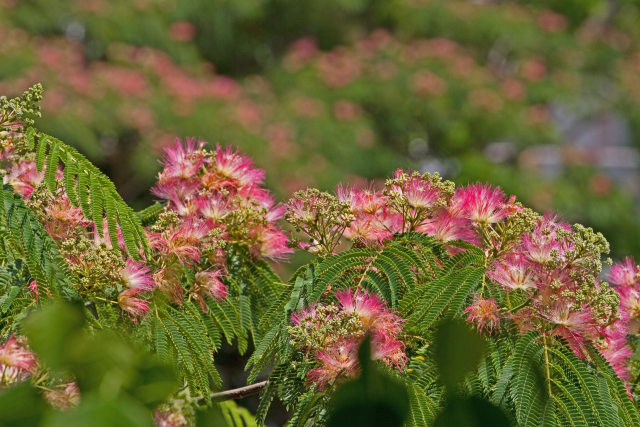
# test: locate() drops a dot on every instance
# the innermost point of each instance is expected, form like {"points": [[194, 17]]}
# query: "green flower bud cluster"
{"points": [[325, 325]]}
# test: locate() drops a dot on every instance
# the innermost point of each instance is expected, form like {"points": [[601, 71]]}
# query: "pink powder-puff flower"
{"points": [[616, 349], [215, 207], [625, 273], [513, 272], [16, 362], [367, 228], [341, 359], [182, 160], [447, 226], [270, 242], [544, 243], [367, 306], [63, 218], [130, 303], [177, 190], [483, 204], [236, 168], [209, 282], [168, 283], [419, 193], [388, 349], [169, 418], [137, 275], [24, 178], [484, 313], [64, 397], [363, 201]]}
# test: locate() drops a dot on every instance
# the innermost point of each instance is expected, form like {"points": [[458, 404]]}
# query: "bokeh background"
{"points": [[540, 97]]}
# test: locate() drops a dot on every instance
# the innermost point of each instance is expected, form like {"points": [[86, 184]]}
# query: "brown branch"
{"points": [[236, 393]]}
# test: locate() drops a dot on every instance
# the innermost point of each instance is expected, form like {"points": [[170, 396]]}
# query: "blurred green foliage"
{"points": [[322, 92], [376, 398], [120, 383]]}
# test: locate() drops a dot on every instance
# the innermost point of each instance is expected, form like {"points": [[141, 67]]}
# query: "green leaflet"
{"points": [[447, 294], [181, 337], [582, 393], [89, 189], [32, 242]]}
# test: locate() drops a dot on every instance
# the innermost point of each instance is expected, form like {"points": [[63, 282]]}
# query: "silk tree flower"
{"points": [[105, 239], [331, 333], [64, 397], [575, 324], [319, 215], [629, 301], [176, 190], [513, 272], [335, 361], [389, 349], [365, 201], [131, 304], [484, 313], [183, 241], [367, 228], [17, 363], [24, 177], [182, 161], [448, 225], [215, 191], [625, 274], [215, 207], [373, 219], [415, 196], [418, 192], [483, 204], [547, 240], [136, 275], [370, 310], [616, 349], [230, 168], [169, 418], [304, 316], [168, 283], [208, 284], [269, 242], [63, 219]]}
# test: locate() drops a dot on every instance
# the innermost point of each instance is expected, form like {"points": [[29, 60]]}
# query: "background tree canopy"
{"points": [[127, 305], [539, 97]]}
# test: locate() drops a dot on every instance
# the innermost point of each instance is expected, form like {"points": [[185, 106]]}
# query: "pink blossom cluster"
{"points": [[65, 222], [214, 199], [555, 268], [63, 397], [208, 190], [17, 363], [336, 349], [418, 205], [625, 276], [547, 271]]}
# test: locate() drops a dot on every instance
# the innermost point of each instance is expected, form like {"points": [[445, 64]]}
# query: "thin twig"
{"points": [[236, 393]]}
